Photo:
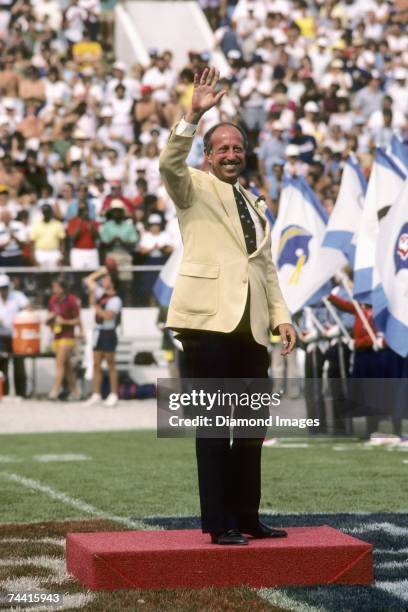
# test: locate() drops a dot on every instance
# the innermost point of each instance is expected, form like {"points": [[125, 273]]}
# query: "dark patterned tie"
{"points": [[248, 226]]}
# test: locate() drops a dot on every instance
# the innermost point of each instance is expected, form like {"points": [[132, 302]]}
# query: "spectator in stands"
{"points": [[98, 190], [10, 176], [13, 238], [63, 317], [155, 246], [369, 98], [64, 201], [108, 306], [47, 237], [32, 87], [83, 234], [116, 194], [11, 302], [161, 79], [83, 199], [119, 237], [305, 142], [31, 127], [34, 175], [272, 149], [74, 17], [253, 93], [5, 203], [9, 78]]}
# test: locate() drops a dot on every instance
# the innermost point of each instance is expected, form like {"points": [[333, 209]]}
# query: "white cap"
{"points": [[400, 74], [292, 150], [116, 203], [4, 281], [234, 54], [280, 38], [322, 41], [80, 134], [9, 103], [120, 66], [33, 144], [154, 219], [311, 107]]}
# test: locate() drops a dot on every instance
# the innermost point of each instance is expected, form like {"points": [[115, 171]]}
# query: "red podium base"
{"points": [[186, 558]]}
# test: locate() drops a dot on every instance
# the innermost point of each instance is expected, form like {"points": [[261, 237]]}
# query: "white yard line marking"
{"points": [[78, 504], [390, 528], [56, 541], [56, 566], [399, 589], [386, 551], [277, 598], [277, 444], [9, 459], [393, 564], [66, 457]]}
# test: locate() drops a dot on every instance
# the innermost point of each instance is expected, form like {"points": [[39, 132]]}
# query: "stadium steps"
{"points": [[178, 26]]}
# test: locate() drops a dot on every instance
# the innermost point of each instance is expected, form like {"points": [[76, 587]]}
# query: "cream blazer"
{"points": [[212, 286]]}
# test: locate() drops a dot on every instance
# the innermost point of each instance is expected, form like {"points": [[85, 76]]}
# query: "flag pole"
{"points": [[348, 421], [317, 323], [337, 319], [359, 311]]}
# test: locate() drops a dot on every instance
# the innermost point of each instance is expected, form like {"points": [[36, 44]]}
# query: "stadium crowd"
{"points": [[81, 133]]}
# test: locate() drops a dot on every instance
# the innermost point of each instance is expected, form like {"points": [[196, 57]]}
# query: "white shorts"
{"points": [[84, 259], [48, 259]]}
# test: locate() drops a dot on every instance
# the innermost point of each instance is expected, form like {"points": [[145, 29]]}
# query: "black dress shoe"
{"points": [[232, 536], [264, 531]]}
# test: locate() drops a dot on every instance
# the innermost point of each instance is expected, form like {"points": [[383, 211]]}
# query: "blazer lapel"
{"points": [[226, 195]]}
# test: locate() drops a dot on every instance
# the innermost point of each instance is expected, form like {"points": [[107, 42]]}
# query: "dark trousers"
{"points": [[229, 474], [20, 380], [338, 388], [315, 405]]}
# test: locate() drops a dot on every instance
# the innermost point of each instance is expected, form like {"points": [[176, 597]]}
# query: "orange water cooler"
{"points": [[26, 334]]}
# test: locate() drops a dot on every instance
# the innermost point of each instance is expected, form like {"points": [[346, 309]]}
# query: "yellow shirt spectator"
{"points": [[47, 236], [307, 26]]}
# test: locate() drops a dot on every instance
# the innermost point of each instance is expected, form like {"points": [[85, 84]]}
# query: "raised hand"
{"points": [[205, 95]]}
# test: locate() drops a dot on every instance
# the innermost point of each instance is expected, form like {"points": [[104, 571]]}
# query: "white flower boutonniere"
{"points": [[260, 204]]}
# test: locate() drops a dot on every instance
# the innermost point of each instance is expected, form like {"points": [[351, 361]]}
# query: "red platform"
{"points": [[186, 558]]}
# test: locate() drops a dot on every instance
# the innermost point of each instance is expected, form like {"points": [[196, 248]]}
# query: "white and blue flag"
{"points": [[390, 295], [399, 152], [345, 219], [385, 183], [164, 285], [304, 267]]}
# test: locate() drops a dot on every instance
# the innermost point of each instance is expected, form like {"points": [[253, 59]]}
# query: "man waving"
{"points": [[225, 303]]}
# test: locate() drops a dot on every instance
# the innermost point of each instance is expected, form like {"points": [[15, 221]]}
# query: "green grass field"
{"points": [[134, 474]]}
